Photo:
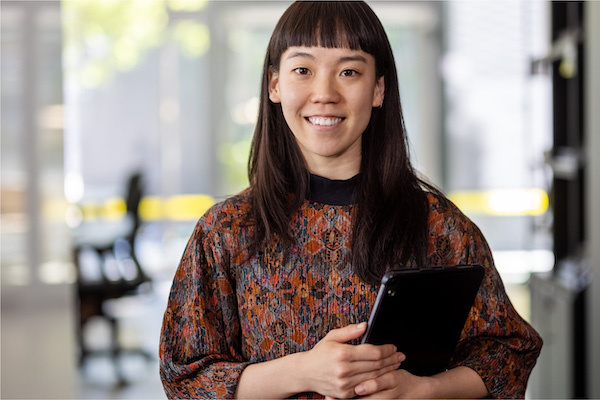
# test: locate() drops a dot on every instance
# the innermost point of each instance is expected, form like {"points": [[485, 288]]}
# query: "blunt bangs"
{"points": [[331, 24]]}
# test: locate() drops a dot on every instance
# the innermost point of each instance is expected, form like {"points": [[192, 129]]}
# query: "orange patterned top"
{"points": [[229, 308]]}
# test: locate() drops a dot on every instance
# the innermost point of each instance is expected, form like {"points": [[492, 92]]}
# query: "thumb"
{"points": [[347, 333]]}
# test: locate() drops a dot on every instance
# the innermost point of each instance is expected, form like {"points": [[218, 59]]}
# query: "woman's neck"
{"points": [[333, 192], [335, 170]]}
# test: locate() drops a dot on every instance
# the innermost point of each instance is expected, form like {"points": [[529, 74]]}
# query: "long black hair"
{"points": [[390, 223]]}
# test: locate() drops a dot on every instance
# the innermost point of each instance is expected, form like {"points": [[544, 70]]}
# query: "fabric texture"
{"points": [[229, 308]]}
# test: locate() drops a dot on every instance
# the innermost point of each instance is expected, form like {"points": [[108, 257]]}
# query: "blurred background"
{"points": [[123, 121]]}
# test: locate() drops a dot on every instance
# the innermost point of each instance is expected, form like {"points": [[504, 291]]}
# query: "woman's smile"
{"points": [[324, 121]]}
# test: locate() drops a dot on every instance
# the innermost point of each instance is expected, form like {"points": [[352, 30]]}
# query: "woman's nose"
{"points": [[325, 90]]}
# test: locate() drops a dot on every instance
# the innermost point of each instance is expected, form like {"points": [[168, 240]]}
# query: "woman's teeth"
{"points": [[324, 121]]}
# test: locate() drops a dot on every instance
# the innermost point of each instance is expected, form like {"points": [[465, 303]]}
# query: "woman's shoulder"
{"points": [[453, 238], [445, 216], [440, 204], [229, 212]]}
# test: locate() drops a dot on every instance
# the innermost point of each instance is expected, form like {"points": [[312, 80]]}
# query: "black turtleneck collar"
{"points": [[332, 192]]}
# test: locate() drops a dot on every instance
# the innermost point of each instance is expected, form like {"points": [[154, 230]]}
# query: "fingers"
{"points": [[347, 376], [373, 375], [371, 369], [394, 360], [370, 352], [340, 367], [347, 333], [363, 352], [362, 362], [374, 386], [394, 384], [347, 361]]}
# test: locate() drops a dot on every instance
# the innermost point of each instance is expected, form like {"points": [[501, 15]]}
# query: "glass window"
{"points": [[497, 127]]}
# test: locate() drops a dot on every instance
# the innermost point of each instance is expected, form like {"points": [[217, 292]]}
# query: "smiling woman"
{"points": [[271, 295]]}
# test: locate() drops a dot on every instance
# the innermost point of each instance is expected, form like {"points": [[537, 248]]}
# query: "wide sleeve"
{"points": [[496, 342], [200, 339]]}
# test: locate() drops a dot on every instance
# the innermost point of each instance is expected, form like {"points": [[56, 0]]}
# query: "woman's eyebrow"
{"points": [[353, 58], [356, 57], [299, 54]]}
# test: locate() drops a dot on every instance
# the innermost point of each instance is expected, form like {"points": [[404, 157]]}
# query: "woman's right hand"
{"points": [[334, 368]]}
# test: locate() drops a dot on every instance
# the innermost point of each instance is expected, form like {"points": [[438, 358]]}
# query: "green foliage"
{"points": [[103, 37]]}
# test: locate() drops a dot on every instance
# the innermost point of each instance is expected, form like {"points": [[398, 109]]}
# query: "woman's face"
{"points": [[327, 96]]}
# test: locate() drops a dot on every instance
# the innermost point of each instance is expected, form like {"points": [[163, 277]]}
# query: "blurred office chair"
{"points": [[108, 270]]}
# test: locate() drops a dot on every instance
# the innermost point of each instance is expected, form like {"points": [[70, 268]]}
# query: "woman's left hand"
{"points": [[396, 384], [456, 383]]}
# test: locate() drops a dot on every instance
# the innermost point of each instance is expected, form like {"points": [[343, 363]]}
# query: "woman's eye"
{"points": [[349, 72], [301, 71]]}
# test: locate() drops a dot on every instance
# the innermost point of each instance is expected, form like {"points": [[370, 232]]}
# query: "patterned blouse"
{"points": [[229, 308]]}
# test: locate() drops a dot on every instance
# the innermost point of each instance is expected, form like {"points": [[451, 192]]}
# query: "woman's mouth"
{"points": [[324, 121]]}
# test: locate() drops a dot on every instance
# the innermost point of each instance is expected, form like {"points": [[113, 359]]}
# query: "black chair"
{"points": [[118, 273]]}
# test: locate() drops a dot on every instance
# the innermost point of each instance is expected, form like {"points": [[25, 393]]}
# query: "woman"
{"points": [[271, 295]]}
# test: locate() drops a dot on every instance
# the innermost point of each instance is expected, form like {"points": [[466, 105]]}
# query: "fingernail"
{"points": [[360, 389], [362, 325], [401, 357]]}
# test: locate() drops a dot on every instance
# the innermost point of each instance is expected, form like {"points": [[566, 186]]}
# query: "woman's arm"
{"points": [[496, 342], [200, 353], [332, 368], [459, 382], [279, 378]]}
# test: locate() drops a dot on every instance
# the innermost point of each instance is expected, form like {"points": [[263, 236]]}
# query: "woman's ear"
{"points": [[379, 92], [274, 86]]}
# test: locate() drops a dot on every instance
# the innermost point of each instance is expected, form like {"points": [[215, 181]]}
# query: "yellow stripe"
{"points": [[114, 208], [187, 207], [151, 208], [502, 202], [190, 207]]}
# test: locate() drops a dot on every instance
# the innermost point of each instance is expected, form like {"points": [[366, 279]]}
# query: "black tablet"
{"points": [[422, 312]]}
